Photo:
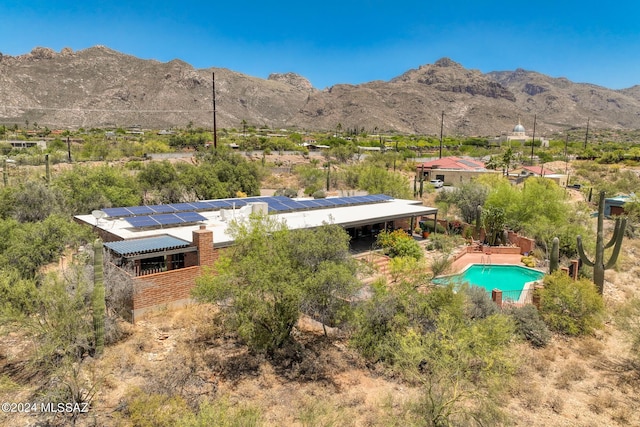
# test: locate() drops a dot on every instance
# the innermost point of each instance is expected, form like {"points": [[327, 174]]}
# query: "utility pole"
{"points": [[566, 157], [586, 136], [533, 140], [441, 127], [215, 129]]}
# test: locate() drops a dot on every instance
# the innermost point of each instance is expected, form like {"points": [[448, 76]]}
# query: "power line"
{"points": [[98, 110]]}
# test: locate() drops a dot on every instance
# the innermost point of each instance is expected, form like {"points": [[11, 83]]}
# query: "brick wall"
{"points": [[166, 289], [173, 288]]}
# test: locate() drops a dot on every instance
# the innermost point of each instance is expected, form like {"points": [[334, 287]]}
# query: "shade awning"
{"points": [[132, 247]]}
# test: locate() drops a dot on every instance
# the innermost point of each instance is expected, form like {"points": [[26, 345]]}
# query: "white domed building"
{"points": [[519, 134]]}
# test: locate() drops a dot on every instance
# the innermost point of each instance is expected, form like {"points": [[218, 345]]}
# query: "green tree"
{"points": [[270, 273], [494, 220], [87, 188], [161, 180], [29, 246], [375, 180], [467, 197], [35, 201]]}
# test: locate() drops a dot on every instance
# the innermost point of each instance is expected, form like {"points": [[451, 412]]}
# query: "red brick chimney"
{"points": [[203, 240]]}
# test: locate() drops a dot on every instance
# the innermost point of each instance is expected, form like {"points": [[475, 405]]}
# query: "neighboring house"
{"points": [[527, 171], [28, 144], [159, 251], [452, 170], [314, 146], [614, 206]]}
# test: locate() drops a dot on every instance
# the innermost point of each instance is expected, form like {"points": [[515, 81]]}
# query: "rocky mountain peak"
{"points": [[292, 79], [446, 62], [99, 86]]}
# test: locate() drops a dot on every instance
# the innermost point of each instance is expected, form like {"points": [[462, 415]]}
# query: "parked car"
{"points": [[436, 183]]}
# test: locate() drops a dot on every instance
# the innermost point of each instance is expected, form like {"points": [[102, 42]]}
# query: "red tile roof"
{"points": [[538, 170], [452, 162]]}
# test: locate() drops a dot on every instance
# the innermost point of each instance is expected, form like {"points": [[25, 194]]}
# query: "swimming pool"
{"points": [[510, 279]]}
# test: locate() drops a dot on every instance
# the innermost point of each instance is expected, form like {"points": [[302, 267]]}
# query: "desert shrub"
{"points": [[573, 372], [437, 242], [479, 304], [440, 264], [399, 244], [528, 261], [376, 321], [530, 326], [287, 192], [570, 307], [428, 226], [154, 410], [628, 320], [222, 413]]}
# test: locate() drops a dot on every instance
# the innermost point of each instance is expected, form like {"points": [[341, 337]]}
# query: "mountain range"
{"points": [[100, 87]]}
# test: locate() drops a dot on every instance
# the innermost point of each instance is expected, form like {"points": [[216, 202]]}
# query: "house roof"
{"points": [[218, 222], [538, 170], [145, 245], [452, 162]]}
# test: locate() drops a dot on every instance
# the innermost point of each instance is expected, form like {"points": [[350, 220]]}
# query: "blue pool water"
{"points": [[510, 279]]}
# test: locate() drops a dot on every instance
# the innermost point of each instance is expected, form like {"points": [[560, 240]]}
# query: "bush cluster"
{"points": [[399, 244], [530, 326], [570, 307]]}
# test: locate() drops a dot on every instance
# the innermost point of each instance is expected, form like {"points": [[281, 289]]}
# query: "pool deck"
{"points": [[480, 258]]}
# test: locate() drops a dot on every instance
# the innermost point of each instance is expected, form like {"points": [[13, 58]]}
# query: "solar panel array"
{"points": [[182, 213], [164, 219]]}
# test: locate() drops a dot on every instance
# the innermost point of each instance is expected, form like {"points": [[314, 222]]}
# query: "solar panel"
{"points": [[117, 212], [338, 201], [142, 221], [140, 210], [282, 199], [163, 208], [181, 207], [380, 197], [291, 204], [199, 206], [310, 204], [219, 204], [362, 199], [167, 219], [275, 204], [371, 198], [324, 202], [190, 216], [279, 207]]}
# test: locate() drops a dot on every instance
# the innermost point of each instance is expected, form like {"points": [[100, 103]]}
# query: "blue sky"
{"points": [[331, 42]]}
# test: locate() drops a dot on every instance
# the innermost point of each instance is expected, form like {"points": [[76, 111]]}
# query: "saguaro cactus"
{"points": [[47, 166], [599, 265], [98, 302], [554, 257], [478, 220]]}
